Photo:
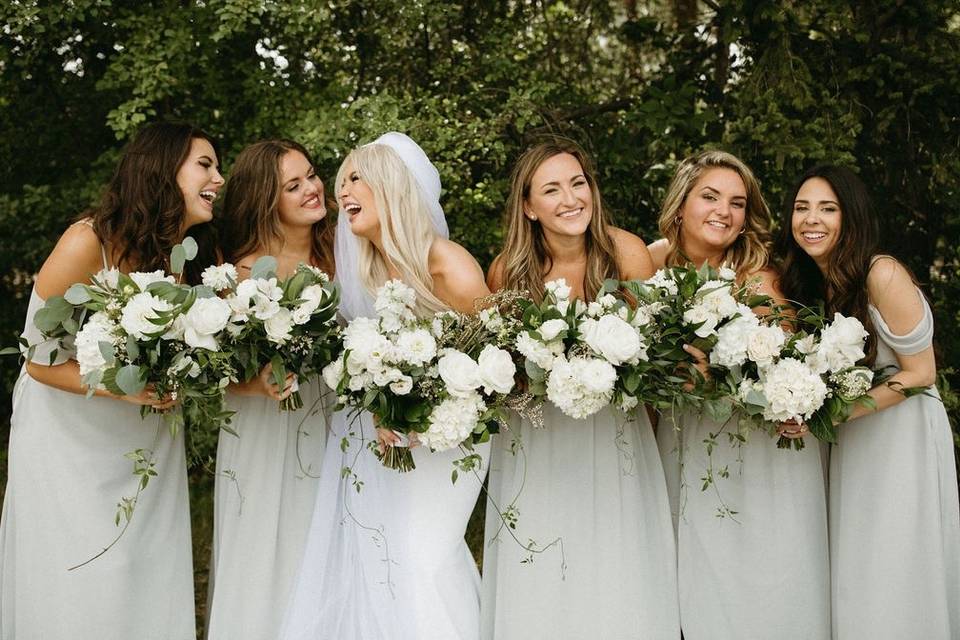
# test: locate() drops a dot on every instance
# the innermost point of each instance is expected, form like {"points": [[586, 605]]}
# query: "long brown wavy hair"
{"points": [[750, 252], [525, 258], [141, 212], [843, 288], [251, 219]]}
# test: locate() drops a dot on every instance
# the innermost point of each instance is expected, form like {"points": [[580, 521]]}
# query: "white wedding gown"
{"points": [[895, 514], [266, 486], [596, 487], [763, 572], [387, 561], [67, 472]]}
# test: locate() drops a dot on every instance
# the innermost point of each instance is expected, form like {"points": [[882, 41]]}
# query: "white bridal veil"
{"points": [[354, 299]]}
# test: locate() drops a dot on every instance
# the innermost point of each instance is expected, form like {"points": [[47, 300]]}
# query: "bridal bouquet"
{"points": [[805, 376], [582, 356], [139, 329], [442, 382], [685, 305], [291, 323]]}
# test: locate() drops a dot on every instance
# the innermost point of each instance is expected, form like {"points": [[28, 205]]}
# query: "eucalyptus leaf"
{"points": [[189, 248], [77, 294], [264, 267], [178, 257], [130, 380]]}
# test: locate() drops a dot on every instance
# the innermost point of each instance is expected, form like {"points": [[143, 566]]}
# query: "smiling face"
{"points": [[714, 212], [301, 192], [560, 198], [199, 180], [817, 220], [357, 201]]}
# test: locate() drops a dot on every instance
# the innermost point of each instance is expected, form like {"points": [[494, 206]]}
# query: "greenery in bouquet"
{"points": [[289, 324], [583, 357], [809, 375], [442, 382], [688, 306], [132, 331]]}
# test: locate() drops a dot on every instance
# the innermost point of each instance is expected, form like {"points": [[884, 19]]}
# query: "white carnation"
{"points": [[144, 278], [535, 351], [136, 315], [220, 277], [416, 347]]}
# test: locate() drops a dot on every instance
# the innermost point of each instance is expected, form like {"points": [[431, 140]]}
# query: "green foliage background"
{"points": [[874, 84]]}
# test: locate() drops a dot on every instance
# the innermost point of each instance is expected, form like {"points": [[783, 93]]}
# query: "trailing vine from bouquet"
{"points": [[144, 467]]}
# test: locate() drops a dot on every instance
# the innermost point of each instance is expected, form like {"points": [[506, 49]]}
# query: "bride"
{"points": [[385, 556]]}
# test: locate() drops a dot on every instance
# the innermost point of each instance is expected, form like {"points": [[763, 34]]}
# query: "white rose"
{"points": [[110, 278], [219, 277], [136, 314], [312, 296], [764, 344], [205, 318], [459, 372], [496, 370], [614, 339], [552, 328], [279, 326], [332, 373]]}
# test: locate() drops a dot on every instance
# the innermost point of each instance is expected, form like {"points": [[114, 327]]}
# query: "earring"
{"points": [[678, 220], [742, 229], [532, 218]]}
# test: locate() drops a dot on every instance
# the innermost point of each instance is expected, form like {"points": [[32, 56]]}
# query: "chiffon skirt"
{"points": [[67, 472], [752, 549], [266, 486], [591, 495]]}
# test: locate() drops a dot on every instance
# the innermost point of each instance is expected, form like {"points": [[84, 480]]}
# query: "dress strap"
{"points": [[103, 245], [915, 340]]}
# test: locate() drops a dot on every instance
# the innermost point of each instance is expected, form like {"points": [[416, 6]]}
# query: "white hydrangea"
{"points": [[97, 328], [792, 391], [136, 315], [220, 277], [452, 421], [580, 387]]}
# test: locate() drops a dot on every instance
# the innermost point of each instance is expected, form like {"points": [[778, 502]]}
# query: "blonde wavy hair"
{"points": [[406, 230], [750, 252], [525, 258]]}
